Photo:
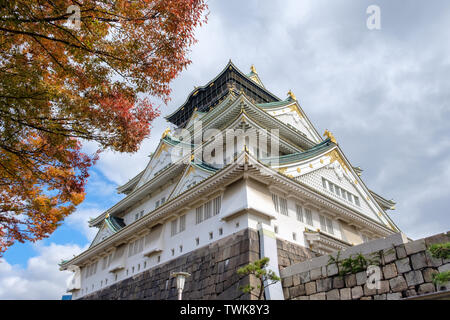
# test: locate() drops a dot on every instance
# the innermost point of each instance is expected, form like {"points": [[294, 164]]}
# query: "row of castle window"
{"points": [[207, 210], [135, 247], [304, 215], [138, 215], [107, 261], [91, 269], [178, 225], [158, 203], [281, 206], [344, 194]]}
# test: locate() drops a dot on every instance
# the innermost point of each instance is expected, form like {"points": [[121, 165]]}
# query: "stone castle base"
{"points": [[212, 268], [405, 272]]}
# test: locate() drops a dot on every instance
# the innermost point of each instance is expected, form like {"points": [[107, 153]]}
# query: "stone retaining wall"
{"points": [[212, 268], [290, 253], [406, 271]]}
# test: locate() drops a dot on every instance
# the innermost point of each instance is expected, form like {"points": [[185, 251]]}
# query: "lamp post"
{"points": [[181, 278]]}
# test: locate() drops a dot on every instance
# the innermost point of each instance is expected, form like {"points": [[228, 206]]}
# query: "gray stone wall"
{"points": [[290, 253], [406, 271], [212, 268]]}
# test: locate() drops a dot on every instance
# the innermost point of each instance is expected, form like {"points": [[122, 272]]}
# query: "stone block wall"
{"points": [[212, 268], [290, 253], [406, 271]]}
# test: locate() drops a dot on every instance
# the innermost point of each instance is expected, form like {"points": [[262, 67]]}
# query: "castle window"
{"points": [[326, 224], [197, 241], [349, 196], [283, 206], [135, 247], [216, 205], [182, 223], [294, 236], [199, 215], [365, 238], [210, 236], [156, 204], [275, 229], [323, 225], [299, 211], [330, 228], [173, 252], [330, 186], [173, 227], [105, 262], [207, 210], [275, 202], [159, 259], [181, 248], [341, 192], [308, 216], [220, 231], [280, 204]]}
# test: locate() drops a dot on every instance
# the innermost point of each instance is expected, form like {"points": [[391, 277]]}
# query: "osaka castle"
{"points": [[239, 174]]}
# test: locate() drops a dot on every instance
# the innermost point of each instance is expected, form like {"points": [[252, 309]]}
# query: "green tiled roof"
{"points": [[114, 223], [275, 103], [299, 156], [205, 166], [174, 142]]}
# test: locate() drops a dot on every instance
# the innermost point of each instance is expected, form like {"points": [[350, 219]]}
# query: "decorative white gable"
{"points": [[337, 176], [191, 177], [293, 116], [160, 160], [103, 233]]}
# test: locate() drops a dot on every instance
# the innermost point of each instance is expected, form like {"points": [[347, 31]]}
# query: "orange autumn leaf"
{"points": [[61, 85]]}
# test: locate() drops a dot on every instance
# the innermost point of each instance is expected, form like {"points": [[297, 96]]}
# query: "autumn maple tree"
{"points": [[76, 71]]}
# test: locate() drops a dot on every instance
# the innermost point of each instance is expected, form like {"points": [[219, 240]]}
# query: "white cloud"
{"points": [[41, 279], [79, 220]]}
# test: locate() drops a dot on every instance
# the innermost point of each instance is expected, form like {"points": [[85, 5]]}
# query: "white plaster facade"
{"points": [[158, 219]]}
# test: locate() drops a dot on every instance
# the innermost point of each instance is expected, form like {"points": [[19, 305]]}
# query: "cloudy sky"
{"points": [[385, 95]]}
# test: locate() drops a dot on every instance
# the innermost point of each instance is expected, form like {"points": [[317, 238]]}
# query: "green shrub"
{"points": [[440, 250], [354, 264], [258, 269], [441, 278]]}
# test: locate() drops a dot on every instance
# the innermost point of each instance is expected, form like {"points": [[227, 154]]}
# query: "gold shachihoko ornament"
{"points": [[165, 133], [329, 135], [292, 95]]}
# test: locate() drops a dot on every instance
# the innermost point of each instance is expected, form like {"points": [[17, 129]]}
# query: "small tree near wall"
{"points": [[264, 276]]}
